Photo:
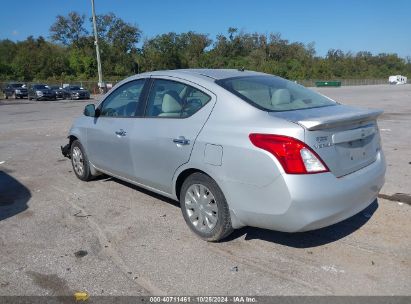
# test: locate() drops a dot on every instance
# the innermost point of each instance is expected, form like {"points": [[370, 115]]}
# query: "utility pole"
{"points": [[100, 73]]}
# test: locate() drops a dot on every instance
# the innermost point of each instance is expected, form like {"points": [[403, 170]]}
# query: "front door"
{"points": [[108, 137]]}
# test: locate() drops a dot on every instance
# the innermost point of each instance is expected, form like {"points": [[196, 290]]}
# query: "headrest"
{"points": [[281, 96], [171, 102]]}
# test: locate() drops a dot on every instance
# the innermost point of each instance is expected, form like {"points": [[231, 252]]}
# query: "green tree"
{"points": [[69, 29]]}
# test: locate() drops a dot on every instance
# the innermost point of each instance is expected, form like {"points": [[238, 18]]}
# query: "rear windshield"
{"points": [[74, 88], [272, 93]]}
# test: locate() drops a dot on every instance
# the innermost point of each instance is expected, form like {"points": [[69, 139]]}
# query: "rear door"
{"points": [[175, 113], [108, 137], [346, 138]]}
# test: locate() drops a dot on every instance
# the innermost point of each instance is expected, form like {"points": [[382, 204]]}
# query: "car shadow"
{"points": [[307, 239], [13, 196], [312, 238], [140, 189]]}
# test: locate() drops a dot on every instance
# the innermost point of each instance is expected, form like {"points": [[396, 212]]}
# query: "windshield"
{"points": [[272, 93], [74, 88], [40, 87], [16, 85]]}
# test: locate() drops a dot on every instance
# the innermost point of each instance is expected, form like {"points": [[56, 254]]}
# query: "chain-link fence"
{"points": [[93, 88], [346, 82]]}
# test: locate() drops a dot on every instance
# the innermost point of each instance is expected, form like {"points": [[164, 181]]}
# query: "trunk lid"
{"points": [[346, 138]]}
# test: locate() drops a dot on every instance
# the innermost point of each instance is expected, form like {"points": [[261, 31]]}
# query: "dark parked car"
{"points": [[41, 92], [58, 90], [15, 90], [76, 92]]}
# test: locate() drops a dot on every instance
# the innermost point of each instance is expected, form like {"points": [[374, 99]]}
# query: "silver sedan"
{"points": [[235, 148]]}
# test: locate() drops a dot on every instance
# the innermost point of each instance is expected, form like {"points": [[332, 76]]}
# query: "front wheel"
{"points": [[204, 208], [80, 162]]}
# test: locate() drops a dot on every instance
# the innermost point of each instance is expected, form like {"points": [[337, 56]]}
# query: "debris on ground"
{"points": [[332, 268], [81, 296], [80, 253], [4, 284], [77, 214], [234, 269]]}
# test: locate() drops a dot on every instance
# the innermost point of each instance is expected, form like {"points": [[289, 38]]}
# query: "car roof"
{"points": [[211, 74]]}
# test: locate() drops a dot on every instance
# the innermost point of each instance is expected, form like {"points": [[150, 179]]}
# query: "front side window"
{"points": [[272, 93], [124, 101], [171, 99]]}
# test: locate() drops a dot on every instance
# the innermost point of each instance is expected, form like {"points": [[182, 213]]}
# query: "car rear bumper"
{"points": [[294, 203]]}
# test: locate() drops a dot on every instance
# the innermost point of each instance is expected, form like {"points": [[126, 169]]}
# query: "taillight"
{"points": [[294, 155]]}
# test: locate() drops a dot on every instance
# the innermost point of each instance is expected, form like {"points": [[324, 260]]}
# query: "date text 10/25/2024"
{"points": [[203, 299]]}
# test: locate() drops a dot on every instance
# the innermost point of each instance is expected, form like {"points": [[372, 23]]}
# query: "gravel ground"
{"points": [[60, 235]]}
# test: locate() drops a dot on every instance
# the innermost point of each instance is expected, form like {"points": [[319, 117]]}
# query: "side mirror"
{"points": [[90, 110]]}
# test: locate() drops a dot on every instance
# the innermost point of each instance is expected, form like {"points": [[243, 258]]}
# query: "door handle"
{"points": [[121, 132], [181, 141]]}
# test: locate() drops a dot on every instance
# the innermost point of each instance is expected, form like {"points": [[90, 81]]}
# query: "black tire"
{"points": [[223, 226], [86, 174]]}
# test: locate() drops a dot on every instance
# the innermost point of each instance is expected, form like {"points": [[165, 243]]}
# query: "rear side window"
{"points": [[171, 99], [272, 93], [124, 101]]}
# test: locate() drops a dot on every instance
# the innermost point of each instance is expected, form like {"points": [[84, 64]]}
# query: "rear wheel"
{"points": [[80, 162], [204, 208]]}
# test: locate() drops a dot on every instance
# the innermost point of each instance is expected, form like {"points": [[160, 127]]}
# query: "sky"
{"points": [[378, 26]]}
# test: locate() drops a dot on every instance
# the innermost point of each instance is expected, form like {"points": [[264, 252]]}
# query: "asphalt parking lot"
{"points": [[60, 235]]}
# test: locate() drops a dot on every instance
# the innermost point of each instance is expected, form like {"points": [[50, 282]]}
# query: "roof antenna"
{"points": [[241, 69]]}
